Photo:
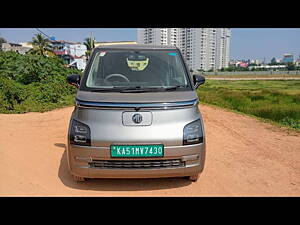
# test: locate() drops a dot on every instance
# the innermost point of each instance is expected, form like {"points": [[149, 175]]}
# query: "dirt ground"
{"points": [[245, 157]]}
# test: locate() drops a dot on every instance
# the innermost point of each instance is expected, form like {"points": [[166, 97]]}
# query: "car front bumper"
{"points": [[187, 161]]}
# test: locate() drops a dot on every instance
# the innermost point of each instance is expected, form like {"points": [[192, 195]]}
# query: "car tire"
{"points": [[194, 178], [78, 179]]}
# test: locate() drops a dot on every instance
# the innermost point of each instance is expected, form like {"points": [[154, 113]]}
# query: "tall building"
{"points": [[203, 48], [222, 47]]}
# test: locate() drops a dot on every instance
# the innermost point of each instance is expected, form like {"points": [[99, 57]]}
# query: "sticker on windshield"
{"points": [[172, 53], [137, 62], [102, 54]]}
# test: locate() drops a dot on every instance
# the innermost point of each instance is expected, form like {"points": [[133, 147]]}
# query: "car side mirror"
{"points": [[74, 80], [198, 80]]}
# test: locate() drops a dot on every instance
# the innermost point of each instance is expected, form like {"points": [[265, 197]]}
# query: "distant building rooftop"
{"points": [[64, 42], [14, 45], [97, 43], [137, 46]]}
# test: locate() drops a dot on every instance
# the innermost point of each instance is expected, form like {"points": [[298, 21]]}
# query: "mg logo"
{"points": [[137, 118]]}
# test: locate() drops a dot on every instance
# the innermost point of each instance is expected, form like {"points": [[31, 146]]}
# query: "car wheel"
{"points": [[78, 179], [194, 178]]}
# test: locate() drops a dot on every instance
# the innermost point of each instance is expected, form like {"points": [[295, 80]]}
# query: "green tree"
{"points": [[229, 69], [41, 46], [90, 45], [291, 66]]}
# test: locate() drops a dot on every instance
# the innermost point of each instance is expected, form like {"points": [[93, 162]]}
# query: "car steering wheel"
{"points": [[116, 75]]}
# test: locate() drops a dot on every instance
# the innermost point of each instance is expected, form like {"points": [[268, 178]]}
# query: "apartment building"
{"points": [[153, 36], [222, 47], [203, 48]]}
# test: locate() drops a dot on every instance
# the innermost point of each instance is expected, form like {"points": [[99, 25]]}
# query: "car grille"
{"points": [[136, 164]]}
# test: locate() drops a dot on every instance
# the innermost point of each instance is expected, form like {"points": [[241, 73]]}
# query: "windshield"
{"points": [[137, 69]]}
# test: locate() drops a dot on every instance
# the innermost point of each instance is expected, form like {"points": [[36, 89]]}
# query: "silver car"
{"points": [[136, 116]]}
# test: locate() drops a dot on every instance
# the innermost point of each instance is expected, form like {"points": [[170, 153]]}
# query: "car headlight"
{"points": [[192, 133], [80, 133]]}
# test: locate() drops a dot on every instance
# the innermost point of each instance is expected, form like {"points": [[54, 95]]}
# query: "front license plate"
{"points": [[140, 151]]}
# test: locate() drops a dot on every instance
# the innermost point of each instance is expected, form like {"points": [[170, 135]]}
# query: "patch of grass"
{"points": [[277, 101], [254, 76]]}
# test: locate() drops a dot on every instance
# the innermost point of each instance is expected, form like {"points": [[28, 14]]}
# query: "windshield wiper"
{"points": [[122, 89], [106, 90], [137, 89]]}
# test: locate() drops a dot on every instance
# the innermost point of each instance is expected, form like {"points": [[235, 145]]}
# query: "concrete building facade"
{"points": [[14, 47], [203, 48], [73, 53]]}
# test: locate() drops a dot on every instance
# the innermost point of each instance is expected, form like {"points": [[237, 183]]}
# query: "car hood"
{"points": [[148, 97]]}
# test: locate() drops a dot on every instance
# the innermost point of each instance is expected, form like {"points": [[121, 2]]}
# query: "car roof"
{"points": [[135, 46]]}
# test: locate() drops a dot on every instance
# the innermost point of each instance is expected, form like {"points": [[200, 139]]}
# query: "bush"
{"points": [[12, 93], [33, 83], [290, 122]]}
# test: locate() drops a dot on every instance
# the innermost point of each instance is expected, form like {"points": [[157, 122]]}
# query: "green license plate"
{"points": [[137, 151]]}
